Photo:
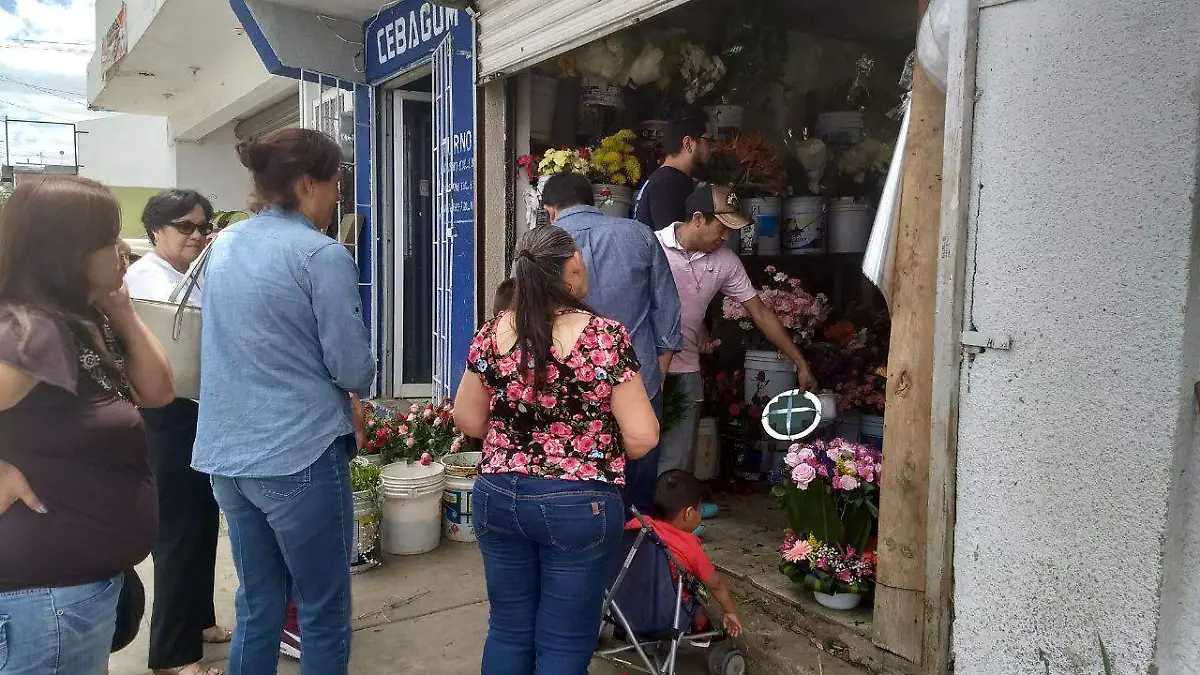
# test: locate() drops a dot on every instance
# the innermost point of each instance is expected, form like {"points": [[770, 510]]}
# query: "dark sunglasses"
{"points": [[187, 228]]}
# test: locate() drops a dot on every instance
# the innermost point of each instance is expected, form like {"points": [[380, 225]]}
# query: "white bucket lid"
{"points": [[409, 475]]}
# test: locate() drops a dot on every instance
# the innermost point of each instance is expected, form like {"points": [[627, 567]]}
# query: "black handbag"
{"points": [[131, 607]]}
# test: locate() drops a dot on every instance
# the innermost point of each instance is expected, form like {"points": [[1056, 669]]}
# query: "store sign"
{"points": [[114, 45], [408, 32]]}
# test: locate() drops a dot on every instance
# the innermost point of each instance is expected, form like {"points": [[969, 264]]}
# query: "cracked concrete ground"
{"points": [[420, 615]]}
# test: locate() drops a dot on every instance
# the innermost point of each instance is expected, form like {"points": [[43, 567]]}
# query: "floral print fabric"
{"points": [[567, 430]]}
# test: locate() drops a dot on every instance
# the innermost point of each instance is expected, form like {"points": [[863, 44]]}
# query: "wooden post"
{"points": [[947, 344], [899, 621]]}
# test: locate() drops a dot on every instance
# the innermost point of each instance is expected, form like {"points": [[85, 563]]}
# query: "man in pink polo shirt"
{"points": [[703, 266]]}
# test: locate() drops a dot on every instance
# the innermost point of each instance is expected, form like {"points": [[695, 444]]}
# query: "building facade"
{"points": [[1067, 482]]}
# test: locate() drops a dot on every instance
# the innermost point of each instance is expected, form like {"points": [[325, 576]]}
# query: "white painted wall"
{"points": [[1072, 490], [127, 151], [211, 166]]}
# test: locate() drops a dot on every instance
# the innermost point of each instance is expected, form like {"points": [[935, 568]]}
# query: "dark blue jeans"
{"points": [[642, 474], [548, 549], [292, 531]]}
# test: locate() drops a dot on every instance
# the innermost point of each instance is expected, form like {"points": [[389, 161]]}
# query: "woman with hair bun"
{"points": [[284, 347]]}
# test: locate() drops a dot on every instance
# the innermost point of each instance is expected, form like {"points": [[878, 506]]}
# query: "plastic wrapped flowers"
{"points": [[565, 160], [614, 161]]}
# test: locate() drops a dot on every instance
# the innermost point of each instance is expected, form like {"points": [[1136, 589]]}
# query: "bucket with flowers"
{"points": [[800, 313], [615, 170], [538, 171], [413, 479], [831, 499]]}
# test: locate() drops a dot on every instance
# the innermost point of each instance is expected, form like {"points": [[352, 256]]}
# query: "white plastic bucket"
{"points": [[849, 226], [412, 507], [849, 426], [603, 95], [543, 92], [708, 450], [724, 118], [871, 431], [365, 553], [804, 226], [766, 213], [613, 200], [458, 498], [841, 127], [768, 374]]}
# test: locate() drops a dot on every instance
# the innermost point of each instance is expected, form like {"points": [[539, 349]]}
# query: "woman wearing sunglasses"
{"points": [[183, 617]]}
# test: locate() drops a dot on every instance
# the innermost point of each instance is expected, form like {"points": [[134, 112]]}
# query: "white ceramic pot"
{"points": [[838, 601]]}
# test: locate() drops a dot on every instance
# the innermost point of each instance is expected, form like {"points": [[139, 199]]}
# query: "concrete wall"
{"points": [[127, 151], [1072, 488], [211, 166]]}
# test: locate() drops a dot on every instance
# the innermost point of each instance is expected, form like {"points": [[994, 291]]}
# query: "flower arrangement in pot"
{"points": [[831, 499], [424, 434], [752, 167], [538, 171], [365, 483], [615, 170]]}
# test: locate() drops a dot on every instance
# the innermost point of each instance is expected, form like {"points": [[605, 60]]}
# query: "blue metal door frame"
{"points": [[405, 36]]}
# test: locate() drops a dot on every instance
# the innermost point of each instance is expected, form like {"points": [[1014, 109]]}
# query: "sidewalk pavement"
{"points": [[419, 615]]}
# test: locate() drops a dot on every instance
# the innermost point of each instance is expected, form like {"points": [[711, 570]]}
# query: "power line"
{"points": [[28, 41], [35, 110], [71, 96]]}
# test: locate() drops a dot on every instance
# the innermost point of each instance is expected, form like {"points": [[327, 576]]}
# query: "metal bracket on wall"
{"points": [[974, 342]]}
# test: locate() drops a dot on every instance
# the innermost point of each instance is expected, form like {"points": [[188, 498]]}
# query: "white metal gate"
{"points": [[443, 218]]}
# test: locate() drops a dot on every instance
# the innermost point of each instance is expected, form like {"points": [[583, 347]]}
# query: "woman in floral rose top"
{"points": [[554, 391]]}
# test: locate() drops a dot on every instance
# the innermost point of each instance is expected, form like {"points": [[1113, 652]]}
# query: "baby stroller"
{"points": [[650, 617]]}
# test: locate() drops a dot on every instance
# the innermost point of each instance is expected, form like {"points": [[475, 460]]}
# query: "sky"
{"points": [[45, 46]]}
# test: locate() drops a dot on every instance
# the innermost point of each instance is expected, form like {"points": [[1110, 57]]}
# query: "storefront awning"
{"points": [[294, 37]]}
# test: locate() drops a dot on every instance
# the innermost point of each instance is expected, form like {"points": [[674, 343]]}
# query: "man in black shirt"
{"points": [[689, 149]]}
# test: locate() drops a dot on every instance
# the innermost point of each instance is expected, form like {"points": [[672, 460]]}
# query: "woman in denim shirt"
{"points": [[554, 391], [283, 348]]}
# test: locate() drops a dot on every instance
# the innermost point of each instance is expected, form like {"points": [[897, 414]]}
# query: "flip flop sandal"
{"points": [[193, 669], [224, 635]]}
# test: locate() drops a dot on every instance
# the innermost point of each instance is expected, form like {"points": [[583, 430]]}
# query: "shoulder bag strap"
{"points": [[183, 290]]}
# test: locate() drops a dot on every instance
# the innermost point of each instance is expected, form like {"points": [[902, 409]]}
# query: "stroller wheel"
{"points": [[726, 661]]}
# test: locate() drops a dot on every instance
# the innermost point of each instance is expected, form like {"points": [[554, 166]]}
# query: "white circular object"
{"points": [[785, 406]]}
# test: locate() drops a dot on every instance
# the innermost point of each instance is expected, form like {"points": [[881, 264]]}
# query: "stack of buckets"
{"points": [[412, 507], [777, 376], [459, 503]]}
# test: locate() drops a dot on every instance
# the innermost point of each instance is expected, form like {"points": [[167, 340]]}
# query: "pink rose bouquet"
{"points": [[831, 491], [800, 313], [424, 433]]}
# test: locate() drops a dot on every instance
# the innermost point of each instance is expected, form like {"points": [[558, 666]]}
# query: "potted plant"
{"points": [[751, 166], [860, 172], [800, 313], [538, 171], [831, 499], [852, 360], [615, 170], [413, 480], [368, 512]]}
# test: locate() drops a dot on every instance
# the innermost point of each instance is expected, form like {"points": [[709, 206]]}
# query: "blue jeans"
{"points": [[58, 631], [642, 474], [292, 531], [548, 551]]}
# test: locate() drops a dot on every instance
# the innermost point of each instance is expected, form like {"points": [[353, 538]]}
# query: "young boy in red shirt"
{"points": [[677, 497]]}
